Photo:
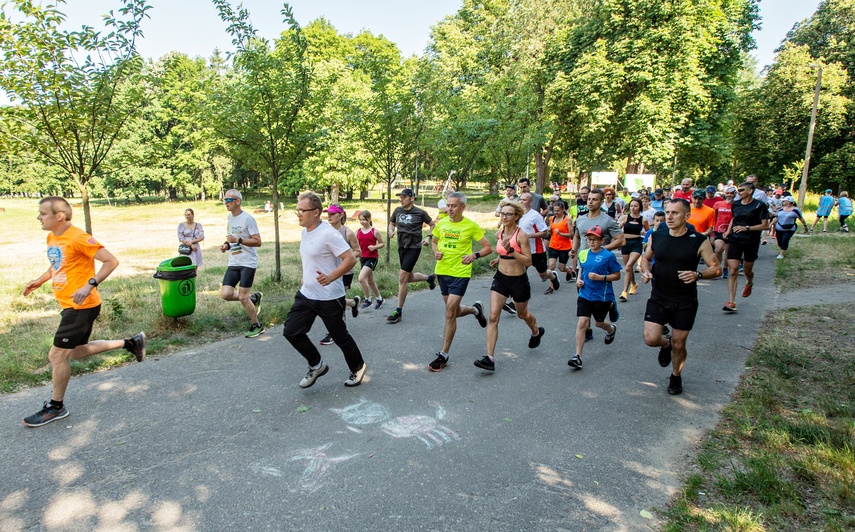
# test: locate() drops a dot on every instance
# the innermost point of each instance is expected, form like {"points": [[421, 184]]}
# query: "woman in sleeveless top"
{"points": [[511, 280], [191, 233], [560, 240], [634, 226], [610, 204], [370, 241]]}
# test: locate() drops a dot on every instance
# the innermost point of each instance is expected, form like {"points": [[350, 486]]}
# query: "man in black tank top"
{"points": [[670, 261]]}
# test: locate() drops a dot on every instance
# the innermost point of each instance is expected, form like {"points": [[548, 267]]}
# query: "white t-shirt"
{"points": [[531, 223], [243, 226], [320, 250], [649, 214]]}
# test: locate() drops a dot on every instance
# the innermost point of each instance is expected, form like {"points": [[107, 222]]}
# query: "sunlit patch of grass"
{"points": [[817, 260]]}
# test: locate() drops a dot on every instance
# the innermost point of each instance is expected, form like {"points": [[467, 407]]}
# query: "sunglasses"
{"points": [[301, 212], [740, 190], [229, 200]]}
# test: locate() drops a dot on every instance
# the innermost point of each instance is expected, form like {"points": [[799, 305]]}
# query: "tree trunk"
{"points": [[334, 193], [277, 276], [541, 162], [84, 194], [388, 246]]}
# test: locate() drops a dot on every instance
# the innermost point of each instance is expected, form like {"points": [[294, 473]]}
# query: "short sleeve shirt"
{"points": [[604, 221], [321, 250], [72, 264], [602, 262], [702, 218], [531, 223], [454, 240], [408, 225], [752, 214], [243, 226]]}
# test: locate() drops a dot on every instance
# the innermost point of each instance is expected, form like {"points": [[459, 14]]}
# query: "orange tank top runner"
{"points": [[71, 257], [515, 245], [557, 241]]}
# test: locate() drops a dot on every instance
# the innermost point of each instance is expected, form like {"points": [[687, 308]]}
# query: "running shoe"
{"points": [[354, 311], [256, 300], [378, 303], [534, 341], [327, 340], [675, 385], [724, 273], [572, 274], [394, 317], [575, 362], [138, 343], [665, 353], [730, 306], [780, 256], [549, 290], [313, 375], [366, 303], [431, 281], [482, 319], [764, 242], [355, 378], [254, 330], [556, 284], [510, 308], [485, 363], [633, 289], [746, 290], [568, 277], [438, 363], [610, 337], [46, 415], [589, 335], [623, 296]]}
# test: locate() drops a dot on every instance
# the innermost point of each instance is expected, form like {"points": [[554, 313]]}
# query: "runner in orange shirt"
{"points": [[702, 217], [72, 254]]}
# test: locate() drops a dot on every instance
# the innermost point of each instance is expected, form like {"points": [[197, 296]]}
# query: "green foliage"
{"points": [[77, 89]]}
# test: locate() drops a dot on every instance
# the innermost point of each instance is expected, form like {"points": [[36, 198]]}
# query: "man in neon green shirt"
{"points": [[452, 247]]}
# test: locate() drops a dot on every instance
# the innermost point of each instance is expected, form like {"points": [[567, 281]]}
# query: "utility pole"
{"points": [[803, 185]]}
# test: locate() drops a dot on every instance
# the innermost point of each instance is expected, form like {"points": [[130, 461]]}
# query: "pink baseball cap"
{"points": [[334, 209]]}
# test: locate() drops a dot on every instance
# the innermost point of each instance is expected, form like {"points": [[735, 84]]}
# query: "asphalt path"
{"points": [[221, 437]]}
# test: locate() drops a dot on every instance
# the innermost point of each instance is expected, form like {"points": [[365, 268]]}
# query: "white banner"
{"points": [[634, 182], [604, 178]]}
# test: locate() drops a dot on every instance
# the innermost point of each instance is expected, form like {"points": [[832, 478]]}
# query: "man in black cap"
{"points": [[407, 221], [657, 201]]}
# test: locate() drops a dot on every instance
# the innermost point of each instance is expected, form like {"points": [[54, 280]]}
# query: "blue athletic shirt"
{"points": [[826, 203], [602, 262]]}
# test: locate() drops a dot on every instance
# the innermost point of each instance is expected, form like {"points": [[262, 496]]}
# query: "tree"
{"points": [[77, 89], [261, 108]]}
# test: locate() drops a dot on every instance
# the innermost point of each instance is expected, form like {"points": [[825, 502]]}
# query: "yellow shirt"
{"points": [[454, 240]]}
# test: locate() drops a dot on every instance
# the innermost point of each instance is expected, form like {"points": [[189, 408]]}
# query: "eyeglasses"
{"points": [[229, 200], [300, 212], [507, 214]]}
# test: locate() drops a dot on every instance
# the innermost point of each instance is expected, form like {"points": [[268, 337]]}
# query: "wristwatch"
{"points": [[700, 276], [240, 241], [93, 282], [477, 255]]}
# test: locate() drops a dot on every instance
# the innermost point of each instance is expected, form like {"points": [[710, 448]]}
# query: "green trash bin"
{"points": [[177, 278]]}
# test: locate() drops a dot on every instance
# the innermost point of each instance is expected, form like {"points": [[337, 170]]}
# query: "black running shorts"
{"points": [[75, 327], [409, 257], [741, 250], [538, 261], [597, 309], [679, 314], [516, 287]]}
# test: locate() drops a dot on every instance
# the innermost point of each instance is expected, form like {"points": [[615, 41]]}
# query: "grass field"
{"points": [[141, 236]]}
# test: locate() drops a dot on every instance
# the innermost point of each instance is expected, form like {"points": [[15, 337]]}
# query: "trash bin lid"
{"points": [[175, 264]]}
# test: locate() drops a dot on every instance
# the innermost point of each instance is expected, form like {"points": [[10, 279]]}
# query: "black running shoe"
{"points": [[138, 349], [482, 319], [46, 415], [394, 317], [327, 340], [355, 310], [485, 363], [510, 308], [575, 362], [438, 363], [611, 336], [556, 284], [431, 281], [675, 385], [665, 354], [534, 341], [567, 276]]}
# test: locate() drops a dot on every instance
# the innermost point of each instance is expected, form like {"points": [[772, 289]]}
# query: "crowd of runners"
{"points": [[604, 237]]}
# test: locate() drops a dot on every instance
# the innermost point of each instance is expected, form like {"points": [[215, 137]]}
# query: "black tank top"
{"points": [[633, 226], [671, 255]]}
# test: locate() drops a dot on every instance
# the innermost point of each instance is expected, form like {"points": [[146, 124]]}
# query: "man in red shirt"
{"points": [[72, 254], [684, 191], [711, 198], [723, 216]]}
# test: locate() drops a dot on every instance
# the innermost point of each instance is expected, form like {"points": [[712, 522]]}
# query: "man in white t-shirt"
{"points": [[242, 245], [326, 258], [532, 222]]}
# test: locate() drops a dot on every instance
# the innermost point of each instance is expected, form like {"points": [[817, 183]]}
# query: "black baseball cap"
{"points": [[406, 192]]}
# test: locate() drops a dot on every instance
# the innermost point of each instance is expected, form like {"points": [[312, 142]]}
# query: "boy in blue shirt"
{"points": [[598, 267], [823, 211]]}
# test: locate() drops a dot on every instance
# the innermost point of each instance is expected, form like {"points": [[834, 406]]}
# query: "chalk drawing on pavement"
{"points": [[318, 465], [363, 413], [424, 428]]}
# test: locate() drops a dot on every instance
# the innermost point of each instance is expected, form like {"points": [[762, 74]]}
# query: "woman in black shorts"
{"points": [[634, 226], [510, 280]]}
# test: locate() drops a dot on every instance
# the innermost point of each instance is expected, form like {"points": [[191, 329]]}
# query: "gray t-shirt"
{"points": [[408, 225], [608, 224], [243, 226], [537, 202]]}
